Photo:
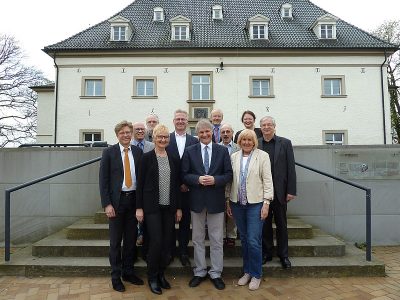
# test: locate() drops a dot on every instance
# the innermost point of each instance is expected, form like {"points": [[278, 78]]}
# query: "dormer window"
{"points": [[121, 29], [325, 27], [287, 11], [180, 28], [258, 27], [217, 12], [119, 33], [158, 14]]}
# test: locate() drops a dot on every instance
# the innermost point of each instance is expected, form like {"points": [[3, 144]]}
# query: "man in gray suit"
{"points": [[229, 223], [138, 137], [206, 169]]}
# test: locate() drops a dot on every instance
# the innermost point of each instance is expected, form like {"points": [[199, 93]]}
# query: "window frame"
{"points": [[84, 90], [271, 86], [160, 11], [211, 85], [252, 34], [82, 133], [174, 27], [119, 37], [287, 7], [344, 134], [323, 28], [136, 78], [216, 8], [342, 86]]}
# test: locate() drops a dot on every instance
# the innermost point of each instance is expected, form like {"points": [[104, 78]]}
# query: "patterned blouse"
{"points": [[164, 178]]}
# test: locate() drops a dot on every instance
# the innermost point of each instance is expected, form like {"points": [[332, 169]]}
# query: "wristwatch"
{"points": [[267, 201]]}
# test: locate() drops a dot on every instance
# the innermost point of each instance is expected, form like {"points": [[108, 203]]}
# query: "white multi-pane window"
{"points": [[119, 33], [259, 32], [94, 87], [145, 87], [158, 14], [260, 87], [334, 138], [332, 86], [217, 12], [327, 31], [181, 33], [90, 137], [201, 87]]}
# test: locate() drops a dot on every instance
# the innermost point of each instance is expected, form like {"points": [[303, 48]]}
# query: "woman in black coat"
{"points": [[158, 205]]}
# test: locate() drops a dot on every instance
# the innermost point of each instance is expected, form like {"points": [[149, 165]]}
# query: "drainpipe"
{"points": [[383, 100], [56, 100]]}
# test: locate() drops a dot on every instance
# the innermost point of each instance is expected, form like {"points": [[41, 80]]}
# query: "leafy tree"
{"points": [[18, 103], [390, 32]]}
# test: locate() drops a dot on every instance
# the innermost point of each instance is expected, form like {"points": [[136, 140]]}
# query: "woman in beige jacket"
{"points": [[249, 196]]}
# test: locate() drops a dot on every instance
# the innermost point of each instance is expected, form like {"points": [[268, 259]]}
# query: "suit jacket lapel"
{"points": [[277, 148], [254, 158], [118, 158], [198, 150]]}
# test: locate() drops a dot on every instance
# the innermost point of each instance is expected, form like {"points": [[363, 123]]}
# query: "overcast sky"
{"points": [[39, 23]]}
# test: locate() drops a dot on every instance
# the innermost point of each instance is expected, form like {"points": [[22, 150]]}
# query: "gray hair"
{"points": [[181, 111], [268, 117], [216, 110], [229, 126], [203, 123], [153, 115]]}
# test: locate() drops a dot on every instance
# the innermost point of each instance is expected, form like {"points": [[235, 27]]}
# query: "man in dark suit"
{"points": [[117, 178], [179, 140], [283, 169], [216, 119], [206, 169]]}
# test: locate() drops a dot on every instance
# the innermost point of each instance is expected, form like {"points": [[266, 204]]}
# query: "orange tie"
{"points": [[127, 169]]}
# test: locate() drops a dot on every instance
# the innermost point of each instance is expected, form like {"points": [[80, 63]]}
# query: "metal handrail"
{"points": [[7, 240], [53, 145], [367, 203], [8, 192]]}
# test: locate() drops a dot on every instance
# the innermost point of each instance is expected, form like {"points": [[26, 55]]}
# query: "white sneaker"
{"points": [[244, 279], [254, 284]]}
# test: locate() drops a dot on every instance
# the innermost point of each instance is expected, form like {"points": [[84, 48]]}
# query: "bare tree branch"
{"points": [[18, 103], [390, 32]]}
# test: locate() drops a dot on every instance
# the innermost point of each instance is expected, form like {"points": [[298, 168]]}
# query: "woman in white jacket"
{"points": [[248, 201]]}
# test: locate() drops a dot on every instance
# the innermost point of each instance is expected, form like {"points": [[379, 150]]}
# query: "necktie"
{"points": [[141, 146], [206, 160], [216, 137], [127, 169]]}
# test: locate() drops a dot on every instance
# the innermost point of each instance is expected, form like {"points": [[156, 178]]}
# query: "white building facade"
{"points": [[323, 83]]}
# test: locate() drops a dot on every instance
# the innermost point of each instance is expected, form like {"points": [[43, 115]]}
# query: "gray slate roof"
{"points": [[231, 32]]}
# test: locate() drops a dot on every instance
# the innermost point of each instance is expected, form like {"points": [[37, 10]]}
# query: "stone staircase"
{"points": [[82, 250]]}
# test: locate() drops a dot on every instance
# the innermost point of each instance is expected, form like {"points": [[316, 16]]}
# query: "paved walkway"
{"points": [[388, 287]]}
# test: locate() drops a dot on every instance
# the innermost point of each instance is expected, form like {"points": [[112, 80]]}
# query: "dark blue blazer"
{"points": [[210, 197], [111, 174]]}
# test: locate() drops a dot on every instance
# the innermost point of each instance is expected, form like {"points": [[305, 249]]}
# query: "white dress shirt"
{"points": [[209, 150], [132, 166], [180, 143]]}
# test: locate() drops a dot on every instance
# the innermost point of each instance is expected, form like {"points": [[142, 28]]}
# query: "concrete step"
{"points": [[351, 264], [56, 245], [89, 229]]}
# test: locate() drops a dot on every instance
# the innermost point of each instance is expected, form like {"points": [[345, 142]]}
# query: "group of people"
{"points": [[214, 182]]}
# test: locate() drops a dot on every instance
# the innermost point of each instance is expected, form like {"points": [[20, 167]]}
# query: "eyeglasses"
{"points": [[139, 129], [161, 137], [125, 133], [225, 131], [180, 119]]}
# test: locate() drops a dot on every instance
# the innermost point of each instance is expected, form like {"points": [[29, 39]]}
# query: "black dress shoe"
{"points": [[118, 285], [154, 287], [185, 261], [218, 283], [265, 259], [163, 282], [196, 280], [286, 264], [133, 279]]}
